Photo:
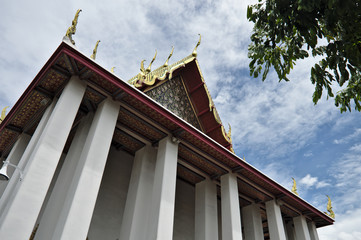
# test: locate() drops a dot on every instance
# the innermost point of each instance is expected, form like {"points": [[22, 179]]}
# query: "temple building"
{"points": [[91, 156]]}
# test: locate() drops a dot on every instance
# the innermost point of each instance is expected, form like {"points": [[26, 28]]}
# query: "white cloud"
{"points": [[308, 154], [348, 138], [308, 180]]}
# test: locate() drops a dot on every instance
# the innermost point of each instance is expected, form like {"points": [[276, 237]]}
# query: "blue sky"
{"points": [[274, 125]]}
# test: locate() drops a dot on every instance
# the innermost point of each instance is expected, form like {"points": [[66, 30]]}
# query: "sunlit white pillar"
{"points": [[13, 185], [313, 231], [301, 228], [20, 216], [274, 219], [56, 201], [79, 204], [231, 216], [206, 218], [138, 203], [14, 158], [160, 225], [252, 222]]}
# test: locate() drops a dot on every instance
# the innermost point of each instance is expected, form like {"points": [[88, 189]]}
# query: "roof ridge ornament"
{"points": [[329, 208], [194, 53], [93, 56], [229, 132], [72, 29], [294, 187], [3, 114], [112, 69], [148, 70], [170, 55]]}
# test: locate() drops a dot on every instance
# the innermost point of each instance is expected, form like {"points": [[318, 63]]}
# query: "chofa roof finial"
{"points": [[329, 208], [3, 114], [150, 64], [194, 53], [170, 55], [93, 56], [72, 29], [294, 187]]}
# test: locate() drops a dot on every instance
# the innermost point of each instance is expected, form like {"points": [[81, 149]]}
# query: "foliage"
{"points": [[287, 30]]}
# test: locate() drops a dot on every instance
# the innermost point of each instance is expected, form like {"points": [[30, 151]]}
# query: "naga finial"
{"points": [[95, 50], [244, 158], [229, 132], [142, 70], [112, 69], [294, 187], [194, 53], [329, 208], [72, 29], [170, 55], [150, 64], [3, 114]]}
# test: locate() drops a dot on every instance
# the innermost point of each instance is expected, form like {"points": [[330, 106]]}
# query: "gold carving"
{"points": [[294, 187], [93, 56], [170, 55], [3, 114], [112, 69], [194, 53], [150, 64], [329, 208], [72, 29]]}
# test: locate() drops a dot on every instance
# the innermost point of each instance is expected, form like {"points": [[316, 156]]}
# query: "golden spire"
{"points": [[142, 70], [229, 132], [112, 69], [194, 53], [294, 187], [150, 64], [95, 50], [3, 114], [244, 158], [329, 208], [170, 55], [72, 29]]}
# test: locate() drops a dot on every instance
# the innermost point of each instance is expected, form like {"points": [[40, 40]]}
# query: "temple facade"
{"points": [[90, 156]]}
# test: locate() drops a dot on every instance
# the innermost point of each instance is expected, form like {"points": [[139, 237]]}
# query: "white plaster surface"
{"points": [[313, 231], [24, 208], [275, 222], [301, 228], [76, 215], [162, 209], [206, 218], [231, 216], [137, 208], [252, 222], [109, 208]]}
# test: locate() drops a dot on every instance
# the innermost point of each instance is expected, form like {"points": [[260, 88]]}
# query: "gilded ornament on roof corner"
{"points": [[329, 208], [72, 29], [170, 55], [148, 70], [3, 114], [194, 53], [112, 69], [93, 56], [294, 187]]}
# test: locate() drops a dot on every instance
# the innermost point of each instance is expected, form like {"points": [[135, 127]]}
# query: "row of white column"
{"points": [[149, 209]]}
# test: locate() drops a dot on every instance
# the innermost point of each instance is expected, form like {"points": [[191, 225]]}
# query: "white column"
{"points": [[160, 224], [274, 219], [14, 158], [301, 228], [231, 215], [79, 204], [13, 185], [56, 201], [290, 231], [313, 231], [137, 206], [23, 210], [252, 222], [206, 218]]}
